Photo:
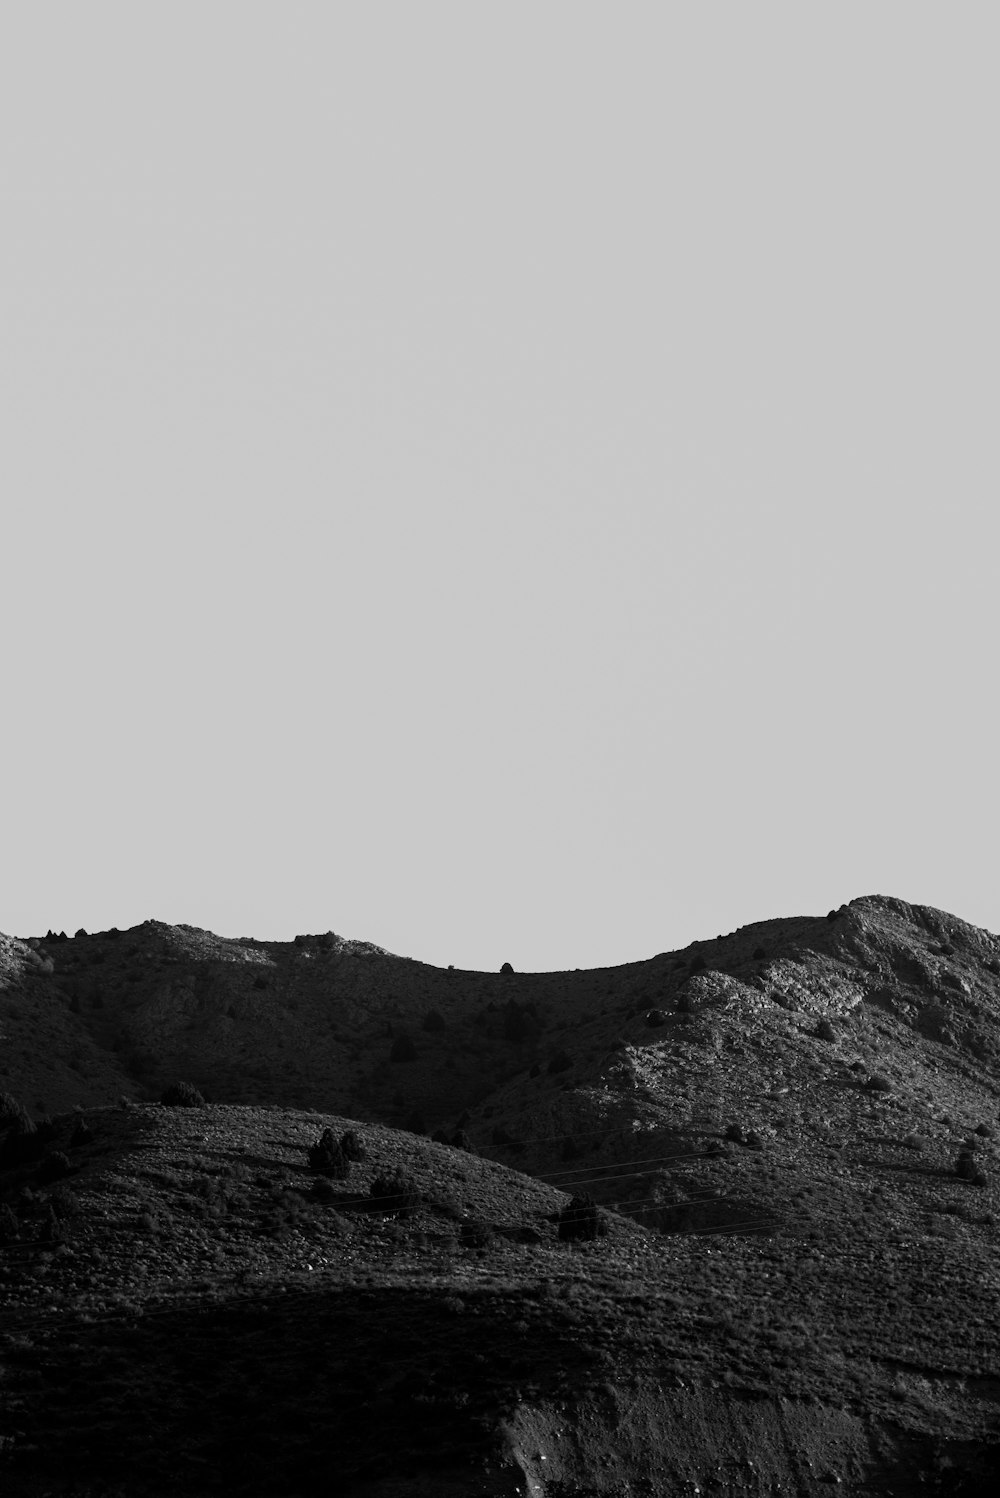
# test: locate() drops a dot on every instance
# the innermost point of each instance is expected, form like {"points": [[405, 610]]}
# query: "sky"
{"points": [[505, 482]]}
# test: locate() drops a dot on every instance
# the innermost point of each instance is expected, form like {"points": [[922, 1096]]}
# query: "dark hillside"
{"points": [[790, 1283]]}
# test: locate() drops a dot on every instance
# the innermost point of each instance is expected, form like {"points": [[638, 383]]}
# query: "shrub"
{"points": [[507, 968], [14, 1113], [878, 1083], [561, 1061], [351, 1145], [519, 1024], [395, 1195], [581, 1220], [736, 1133], [182, 1095], [475, 1234], [759, 954], [655, 1018], [327, 1158], [697, 963], [20, 1138], [65, 1203], [51, 1228], [403, 1049], [433, 1022], [825, 1031], [984, 1130], [967, 1169], [9, 1228], [54, 1166]]}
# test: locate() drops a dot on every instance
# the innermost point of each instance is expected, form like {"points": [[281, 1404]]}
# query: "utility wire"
{"points": [[552, 1178], [586, 1133]]}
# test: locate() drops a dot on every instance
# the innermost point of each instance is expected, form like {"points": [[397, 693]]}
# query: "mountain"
{"points": [[789, 1133]]}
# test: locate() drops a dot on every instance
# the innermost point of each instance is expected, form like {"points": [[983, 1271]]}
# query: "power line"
{"points": [[582, 1133], [651, 1160]]}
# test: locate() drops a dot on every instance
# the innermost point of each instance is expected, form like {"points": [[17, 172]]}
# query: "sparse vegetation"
{"points": [[806, 1252], [182, 1095], [54, 1166], [581, 1221], [351, 1145], [967, 1169], [327, 1157], [395, 1194], [14, 1115]]}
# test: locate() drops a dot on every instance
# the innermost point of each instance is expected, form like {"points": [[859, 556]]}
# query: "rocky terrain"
{"points": [[779, 1275]]}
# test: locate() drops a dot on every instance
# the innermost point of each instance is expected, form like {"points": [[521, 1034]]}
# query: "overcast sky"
{"points": [[509, 482]]}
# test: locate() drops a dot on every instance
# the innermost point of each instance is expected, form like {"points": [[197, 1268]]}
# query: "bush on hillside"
{"points": [[825, 1031], [967, 1169], [473, 1233], [519, 1024], [54, 1166], [10, 1229], [327, 1158], [581, 1220], [64, 1201], [394, 1194], [182, 1095], [433, 1022], [14, 1114], [351, 1145], [21, 1141]]}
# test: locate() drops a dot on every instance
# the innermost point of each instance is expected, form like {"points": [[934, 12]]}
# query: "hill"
{"points": [[790, 1132]]}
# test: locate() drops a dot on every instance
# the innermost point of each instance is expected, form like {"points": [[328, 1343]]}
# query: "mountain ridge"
{"points": [[790, 1132]]}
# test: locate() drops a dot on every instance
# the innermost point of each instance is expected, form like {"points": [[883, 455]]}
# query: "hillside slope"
{"points": [[797, 1287]]}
